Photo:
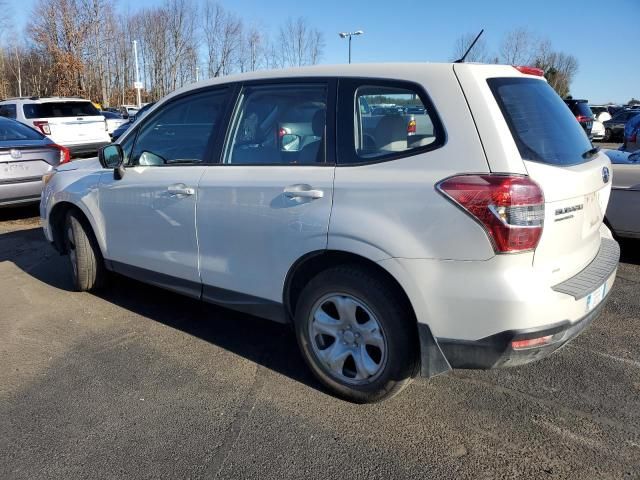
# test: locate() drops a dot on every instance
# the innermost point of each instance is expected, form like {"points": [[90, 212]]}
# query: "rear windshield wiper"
{"points": [[591, 152]]}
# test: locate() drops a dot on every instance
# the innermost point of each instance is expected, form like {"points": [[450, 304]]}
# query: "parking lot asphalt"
{"points": [[136, 382]]}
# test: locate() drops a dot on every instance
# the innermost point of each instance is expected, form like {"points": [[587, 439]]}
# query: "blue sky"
{"points": [[602, 34]]}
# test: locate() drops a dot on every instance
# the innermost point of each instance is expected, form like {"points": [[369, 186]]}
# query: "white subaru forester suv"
{"points": [[466, 234]]}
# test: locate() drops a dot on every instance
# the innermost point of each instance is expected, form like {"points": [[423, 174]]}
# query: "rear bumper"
{"points": [[497, 351], [16, 192], [86, 148]]}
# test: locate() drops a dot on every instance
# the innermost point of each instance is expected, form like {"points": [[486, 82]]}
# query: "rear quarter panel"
{"points": [[392, 208]]}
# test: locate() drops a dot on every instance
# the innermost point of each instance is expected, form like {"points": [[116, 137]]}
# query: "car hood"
{"points": [[83, 164]]}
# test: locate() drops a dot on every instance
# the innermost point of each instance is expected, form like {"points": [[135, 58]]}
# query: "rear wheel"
{"points": [[87, 265], [607, 135], [356, 335]]}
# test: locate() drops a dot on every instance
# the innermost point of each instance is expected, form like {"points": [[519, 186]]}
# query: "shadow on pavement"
{"points": [[26, 212], [261, 341], [629, 250]]}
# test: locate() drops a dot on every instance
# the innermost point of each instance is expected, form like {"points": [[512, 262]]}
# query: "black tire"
{"points": [[397, 324], [607, 135], [87, 264]]}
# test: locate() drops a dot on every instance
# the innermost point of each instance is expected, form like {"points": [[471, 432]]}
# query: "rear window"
{"points": [[581, 108], [60, 109], [10, 131], [542, 126]]}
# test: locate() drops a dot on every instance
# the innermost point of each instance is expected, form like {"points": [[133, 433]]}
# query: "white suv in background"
{"points": [[71, 122], [467, 233]]}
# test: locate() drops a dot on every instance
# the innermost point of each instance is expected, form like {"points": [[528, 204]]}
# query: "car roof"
{"points": [[46, 99], [374, 70]]}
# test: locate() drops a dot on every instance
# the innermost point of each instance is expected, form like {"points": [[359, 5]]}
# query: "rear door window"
{"points": [[542, 126], [60, 109], [279, 125]]}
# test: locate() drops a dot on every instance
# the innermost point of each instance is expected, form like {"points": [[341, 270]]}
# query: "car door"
{"points": [[149, 214], [267, 203]]}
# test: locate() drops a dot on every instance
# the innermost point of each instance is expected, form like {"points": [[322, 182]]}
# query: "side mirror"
{"points": [[112, 156], [290, 142]]}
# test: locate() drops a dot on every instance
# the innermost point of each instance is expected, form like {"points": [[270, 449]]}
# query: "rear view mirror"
{"points": [[111, 156]]}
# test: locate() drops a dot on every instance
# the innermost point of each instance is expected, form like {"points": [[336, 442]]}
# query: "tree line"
{"points": [[85, 48], [522, 47]]}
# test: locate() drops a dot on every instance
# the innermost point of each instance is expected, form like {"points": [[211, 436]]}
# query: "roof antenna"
{"points": [[461, 60]]}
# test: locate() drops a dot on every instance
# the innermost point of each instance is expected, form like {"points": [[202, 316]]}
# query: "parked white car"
{"points": [[600, 112], [597, 130], [71, 122], [113, 121], [476, 243]]}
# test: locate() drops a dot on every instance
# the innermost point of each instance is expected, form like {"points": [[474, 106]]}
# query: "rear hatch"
{"points": [[554, 151], [70, 122]]}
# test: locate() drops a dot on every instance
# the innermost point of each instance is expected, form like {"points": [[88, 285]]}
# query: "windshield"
{"points": [[60, 109], [542, 126], [10, 131]]}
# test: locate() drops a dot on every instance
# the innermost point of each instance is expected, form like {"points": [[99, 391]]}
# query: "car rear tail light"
{"points": [[582, 118], [538, 72], [282, 132], [411, 127], [531, 343], [65, 154], [509, 207], [43, 126]]}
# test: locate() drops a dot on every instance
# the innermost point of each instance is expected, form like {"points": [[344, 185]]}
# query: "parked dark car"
{"points": [[614, 128], [132, 118], [25, 156], [582, 112]]}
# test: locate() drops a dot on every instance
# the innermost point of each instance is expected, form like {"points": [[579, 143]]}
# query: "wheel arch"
{"points": [[56, 222], [432, 360]]}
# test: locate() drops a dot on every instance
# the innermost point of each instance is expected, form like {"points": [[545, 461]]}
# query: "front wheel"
{"points": [[356, 334], [607, 135], [87, 265]]}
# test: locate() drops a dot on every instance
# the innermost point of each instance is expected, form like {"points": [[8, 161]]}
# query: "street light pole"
{"points": [[349, 35], [138, 86]]}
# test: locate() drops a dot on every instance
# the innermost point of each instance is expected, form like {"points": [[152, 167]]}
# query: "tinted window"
{"points": [[10, 130], [542, 126], [8, 110], [581, 108], [60, 109], [389, 121], [275, 125], [179, 132]]}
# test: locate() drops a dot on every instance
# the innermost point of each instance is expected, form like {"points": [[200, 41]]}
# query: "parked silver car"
{"points": [[25, 156], [623, 212]]}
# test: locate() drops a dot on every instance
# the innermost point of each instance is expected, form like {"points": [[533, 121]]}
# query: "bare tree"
{"points": [[518, 47], [300, 44], [223, 38], [559, 68], [479, 52]]}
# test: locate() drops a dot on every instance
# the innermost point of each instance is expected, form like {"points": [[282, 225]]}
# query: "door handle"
{"points": [[302, 191], [180, 189]]}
